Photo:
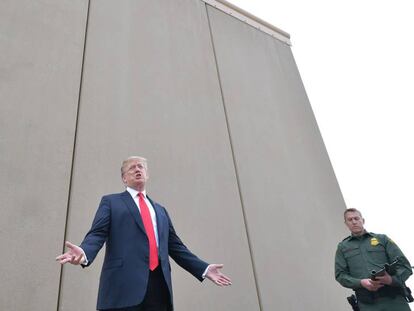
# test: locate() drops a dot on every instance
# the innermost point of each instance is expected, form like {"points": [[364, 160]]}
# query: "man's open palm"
{"points": [[218, 278], [74, 255]]}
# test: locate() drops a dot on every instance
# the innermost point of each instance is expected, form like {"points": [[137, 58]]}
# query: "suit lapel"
{"points": [[133, 209]]}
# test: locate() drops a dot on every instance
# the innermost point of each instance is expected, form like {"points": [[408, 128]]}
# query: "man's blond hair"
{"points": [[129, 159]]}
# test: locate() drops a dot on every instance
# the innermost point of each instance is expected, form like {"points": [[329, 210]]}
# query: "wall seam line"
{"points": [[234, 163], [73, 152]]}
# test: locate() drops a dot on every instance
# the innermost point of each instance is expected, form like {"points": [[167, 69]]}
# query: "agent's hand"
{"points": [[74, 255], [385, 279], [371, 285], [218, 278]]}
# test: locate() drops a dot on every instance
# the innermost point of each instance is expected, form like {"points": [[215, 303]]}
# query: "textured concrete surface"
{"points": [[219, 110], [41, 46]]}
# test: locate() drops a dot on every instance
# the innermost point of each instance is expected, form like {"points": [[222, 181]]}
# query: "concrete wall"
{"points": [[41, 47], [219, 110]]}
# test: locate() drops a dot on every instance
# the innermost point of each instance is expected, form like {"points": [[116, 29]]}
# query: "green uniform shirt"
{"points": [[357, 256]]}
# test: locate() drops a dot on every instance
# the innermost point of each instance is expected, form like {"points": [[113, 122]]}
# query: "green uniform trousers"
{"points": [[386, 304]]}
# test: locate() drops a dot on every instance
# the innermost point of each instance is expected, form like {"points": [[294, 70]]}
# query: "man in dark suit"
{"points": [[139, 237]]}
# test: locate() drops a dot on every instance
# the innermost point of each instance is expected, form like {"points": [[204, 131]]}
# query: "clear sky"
{"points": [[356, 60]]}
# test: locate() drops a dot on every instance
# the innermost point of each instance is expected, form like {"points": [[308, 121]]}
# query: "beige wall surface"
{"points": [[150, 88], [219, 110], [288, 188], [41, 46]]}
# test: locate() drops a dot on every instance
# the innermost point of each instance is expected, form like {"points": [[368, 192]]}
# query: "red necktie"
{"points": [[149, 228]]}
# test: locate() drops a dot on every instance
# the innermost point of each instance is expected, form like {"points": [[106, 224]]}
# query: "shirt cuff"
{"points": [[85, 259], [203, 275]]}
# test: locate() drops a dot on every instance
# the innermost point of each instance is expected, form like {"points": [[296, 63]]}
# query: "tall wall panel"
{"points": [[219, 110], [151, 88], [288, 188], [41, 46]]}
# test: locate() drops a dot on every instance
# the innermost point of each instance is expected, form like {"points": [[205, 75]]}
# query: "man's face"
{"points": [[135, 175], [355, 223]]}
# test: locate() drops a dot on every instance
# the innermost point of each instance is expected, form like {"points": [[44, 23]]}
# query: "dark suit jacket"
{"points": [[125, 271]]}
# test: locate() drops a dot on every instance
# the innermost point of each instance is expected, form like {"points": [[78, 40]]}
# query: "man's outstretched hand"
{"points": [[74, 255], [218, 278]]}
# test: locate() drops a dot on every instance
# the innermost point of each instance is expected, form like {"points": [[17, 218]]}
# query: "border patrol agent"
{"points": [[361, 253]]}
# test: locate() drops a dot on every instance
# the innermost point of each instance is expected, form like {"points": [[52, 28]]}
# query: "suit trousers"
{"points": [[157, 297]]}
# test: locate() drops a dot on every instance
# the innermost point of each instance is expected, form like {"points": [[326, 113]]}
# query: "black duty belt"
{"points": [[365, 296]]}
